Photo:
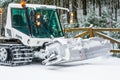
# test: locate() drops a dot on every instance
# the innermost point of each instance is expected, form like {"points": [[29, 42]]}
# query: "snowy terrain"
{"points": [[100, 68]]}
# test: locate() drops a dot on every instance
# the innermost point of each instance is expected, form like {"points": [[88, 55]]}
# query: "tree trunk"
{"points": [[94, 5], [118, 4], [116, 7], [99, 2], [112, 4], [74, 6], [84, 7]]}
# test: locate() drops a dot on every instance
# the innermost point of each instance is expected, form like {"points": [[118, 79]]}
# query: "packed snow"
{"points": [[100, 68]]}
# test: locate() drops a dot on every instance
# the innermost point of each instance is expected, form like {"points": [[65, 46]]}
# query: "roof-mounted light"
{"points": [[23, 3]]}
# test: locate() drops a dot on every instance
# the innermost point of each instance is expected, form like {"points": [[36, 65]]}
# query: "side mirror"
{"points": [[68, 17]]}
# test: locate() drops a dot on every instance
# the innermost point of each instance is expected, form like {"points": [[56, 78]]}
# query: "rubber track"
{"points": [[17, 55]]}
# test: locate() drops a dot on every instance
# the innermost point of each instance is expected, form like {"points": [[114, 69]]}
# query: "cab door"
{"points": [[20, 29], [19, 20]]}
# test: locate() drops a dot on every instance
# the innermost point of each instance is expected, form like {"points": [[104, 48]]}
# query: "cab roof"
{"points": [[17, 5]]}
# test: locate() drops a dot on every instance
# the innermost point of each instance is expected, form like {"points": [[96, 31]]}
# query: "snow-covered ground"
{"points": [[100, 68]]}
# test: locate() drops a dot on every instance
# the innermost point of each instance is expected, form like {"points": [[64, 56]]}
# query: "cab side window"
{"points": [[19, 20]]}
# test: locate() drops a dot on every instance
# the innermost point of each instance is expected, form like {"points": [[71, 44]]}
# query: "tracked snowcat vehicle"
{"points": [[33, 31]]}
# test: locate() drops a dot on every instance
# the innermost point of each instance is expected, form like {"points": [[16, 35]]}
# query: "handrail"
{"points": [[76, 29], [91, 31], [115, 51], [82, 34], [95, 29], [107, 29], [107, 37]]}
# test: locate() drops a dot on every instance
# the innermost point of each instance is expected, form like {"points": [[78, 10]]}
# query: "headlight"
{"points": [[37, 16], [38, 23]]}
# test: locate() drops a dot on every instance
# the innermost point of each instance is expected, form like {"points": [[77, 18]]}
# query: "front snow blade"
{"points": [[65, 50]]}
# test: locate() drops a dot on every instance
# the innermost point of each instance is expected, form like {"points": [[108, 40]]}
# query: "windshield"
{"points": [[45, 23]]}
